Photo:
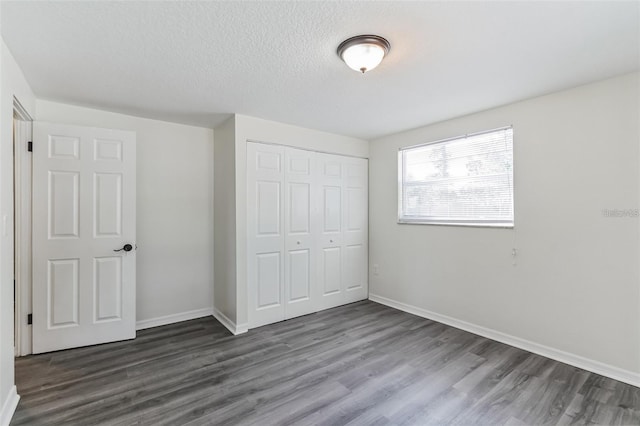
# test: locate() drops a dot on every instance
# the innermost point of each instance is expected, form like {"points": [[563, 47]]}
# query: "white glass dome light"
{"points": [[364, 52]]}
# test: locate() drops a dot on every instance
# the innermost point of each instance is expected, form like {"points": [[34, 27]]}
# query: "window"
{"points": [[467, 180]]}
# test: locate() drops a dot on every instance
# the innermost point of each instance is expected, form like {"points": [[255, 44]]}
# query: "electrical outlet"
{"points": [[376, 269]]}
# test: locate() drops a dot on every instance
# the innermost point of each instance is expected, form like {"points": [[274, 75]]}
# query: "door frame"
{"points": [[22, 232]]}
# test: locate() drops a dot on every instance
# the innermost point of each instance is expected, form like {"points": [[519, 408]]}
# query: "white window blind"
{"points": [[466, 180]]}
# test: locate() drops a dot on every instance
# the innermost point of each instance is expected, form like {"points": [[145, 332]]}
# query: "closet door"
{"points": [[355, 233], [330, 244], [265, 242], [300, 207], [343, 241], [307, 233]]}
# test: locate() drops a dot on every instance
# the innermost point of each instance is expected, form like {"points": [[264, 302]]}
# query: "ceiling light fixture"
{"points": [[364, 52]]}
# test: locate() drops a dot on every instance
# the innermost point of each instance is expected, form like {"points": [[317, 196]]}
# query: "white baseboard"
{"points": [[242, 328], [173, 318], [234, 328], [597, 367], [9, 407]]}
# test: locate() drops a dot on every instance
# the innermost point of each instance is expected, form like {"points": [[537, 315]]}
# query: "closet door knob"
{"points": [[298, 242], [330, 241]]}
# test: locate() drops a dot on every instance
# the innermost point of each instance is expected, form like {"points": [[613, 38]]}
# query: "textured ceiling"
{"points": [[197, 62]]}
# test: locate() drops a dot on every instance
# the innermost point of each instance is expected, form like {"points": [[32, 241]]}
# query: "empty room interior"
{"points": [[319, 213]]}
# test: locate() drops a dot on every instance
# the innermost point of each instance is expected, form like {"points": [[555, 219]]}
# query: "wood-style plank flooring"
{"points": [[360, 364]]}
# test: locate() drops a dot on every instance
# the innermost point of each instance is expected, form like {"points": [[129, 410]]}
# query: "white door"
{"points": [[84, 209], [343, 241], [265, 228], [300, 208], [307, 235], [330, 244], [355, 240]]}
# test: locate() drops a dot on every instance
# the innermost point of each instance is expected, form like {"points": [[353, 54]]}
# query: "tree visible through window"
{"points": [[466, 180]]}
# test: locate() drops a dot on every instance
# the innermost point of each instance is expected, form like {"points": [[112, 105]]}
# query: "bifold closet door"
{"points": [[330, 253], [265, 228], [307, 231], [343, 240], [300, 208], [281, 210], [356, 229]]}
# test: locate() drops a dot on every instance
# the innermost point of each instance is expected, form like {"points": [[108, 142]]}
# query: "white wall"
{"points": [[259, 130], [575, 289], [225, 222], [174, 211], [13, 84]]}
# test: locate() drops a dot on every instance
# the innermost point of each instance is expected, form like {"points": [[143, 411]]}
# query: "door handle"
{"points": [[126, 247]]}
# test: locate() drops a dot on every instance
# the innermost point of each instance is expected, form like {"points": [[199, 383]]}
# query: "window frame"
{"points": [[403, 220]]}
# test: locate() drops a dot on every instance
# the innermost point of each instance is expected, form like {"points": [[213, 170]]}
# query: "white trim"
{"points": [[305, 149], [22, 228], [467, 135], [19, 111], [173, 318], [9, 407], [234, 328], [594, 366]]}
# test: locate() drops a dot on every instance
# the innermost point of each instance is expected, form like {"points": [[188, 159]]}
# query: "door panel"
{"points": [[300, 271], [332, 265], [332, 166], [356, 230], [64, 202], [299, 162], [299, 212], [299, 275], [107, 205], [344, 236], [62, 293], [84, 183], [64, 147], [268, 160], [107, 150], [268, 280], [354, 256], [107, 273], [265, 239], [355, 202], [332, 208], [330, 238], [268, 208]]}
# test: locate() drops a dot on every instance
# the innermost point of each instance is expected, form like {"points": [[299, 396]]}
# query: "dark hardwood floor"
{"points": [[361, 364]]}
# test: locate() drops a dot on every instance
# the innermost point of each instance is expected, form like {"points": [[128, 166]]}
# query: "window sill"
{"points": [[465, 224]]}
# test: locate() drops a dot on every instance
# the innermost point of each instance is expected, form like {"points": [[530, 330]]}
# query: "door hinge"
{"points": [[29, 319], [30, 146]]}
